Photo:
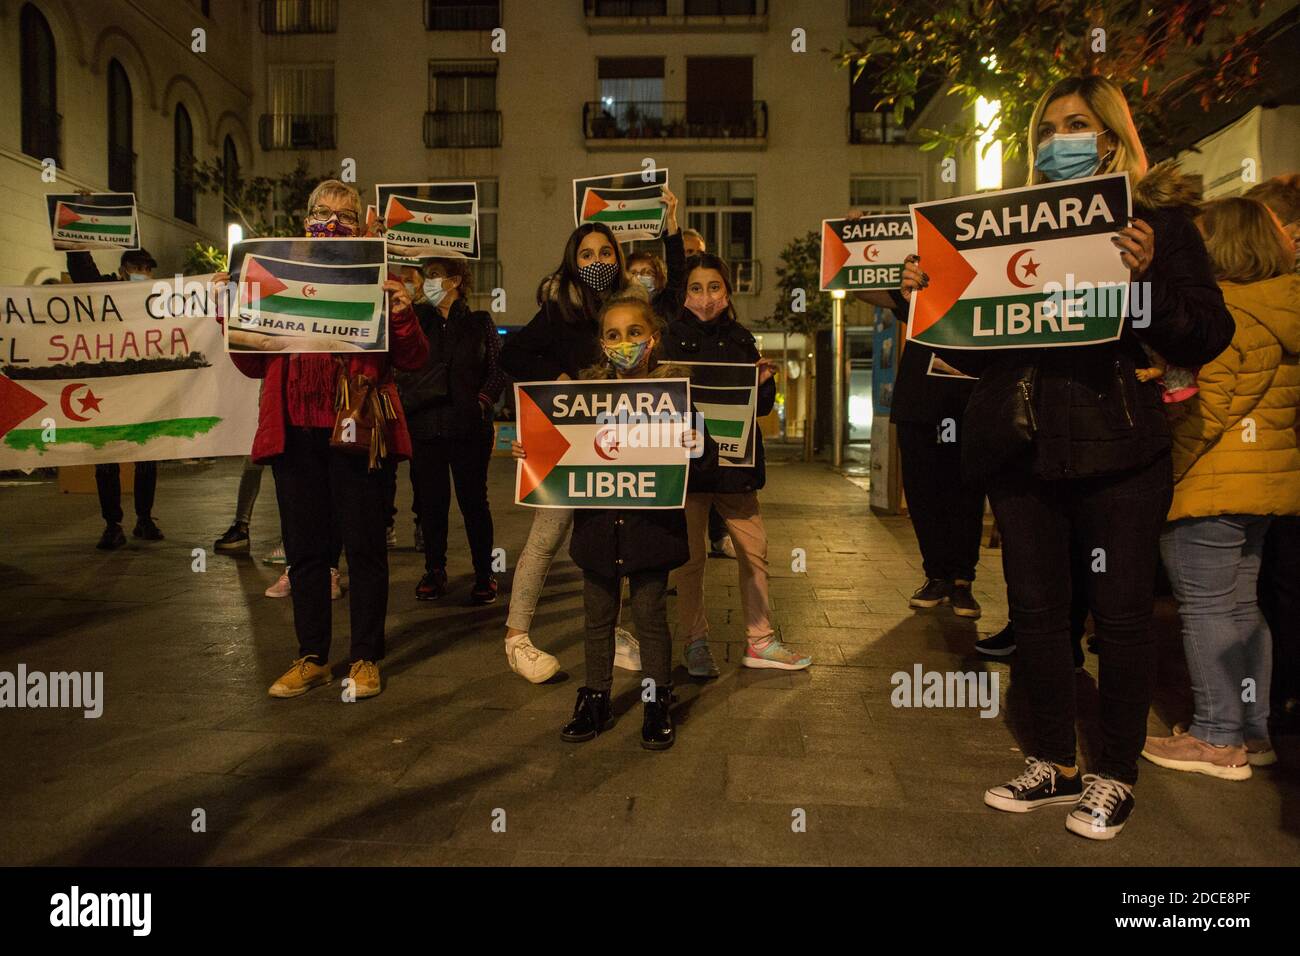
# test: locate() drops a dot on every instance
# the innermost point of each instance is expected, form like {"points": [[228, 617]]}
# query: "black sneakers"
{"points": [[112, 538], [1040, 785], [1001, 644], [485, 592], [234, 541], [146, 529], [657, 730], [962, 601], [1103, 809], [432, 586], [931, 594]]}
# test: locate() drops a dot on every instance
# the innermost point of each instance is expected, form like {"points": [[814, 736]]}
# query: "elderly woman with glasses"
{"points": [[319, 486]]}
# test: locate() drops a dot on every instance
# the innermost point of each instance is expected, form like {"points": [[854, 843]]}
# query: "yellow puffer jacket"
{"points": [[1235, 451]]}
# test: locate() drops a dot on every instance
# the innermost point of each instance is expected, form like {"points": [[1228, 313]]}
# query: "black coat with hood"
{"points": [[1091, 414], [446, 397], [688, 339]]}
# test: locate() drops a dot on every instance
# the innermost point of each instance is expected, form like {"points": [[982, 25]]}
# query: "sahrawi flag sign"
{"points": [[726, 396], [603, 444], [630, 205], [432, 227], [93, 221], [863, 254], [1032, 267]]}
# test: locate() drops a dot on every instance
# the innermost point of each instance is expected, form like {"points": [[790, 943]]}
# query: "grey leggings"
{"points": [[551, 527], [601, 598], [250, 483]]}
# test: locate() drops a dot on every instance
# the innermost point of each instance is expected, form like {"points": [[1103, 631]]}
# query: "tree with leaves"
{"points": [[801, 308], [1163, 55], [263, 205]]}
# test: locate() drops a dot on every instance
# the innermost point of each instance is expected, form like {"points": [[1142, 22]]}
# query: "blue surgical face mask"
{"points": [[647, 281], [137, 277], [1068, 156], [434, 292]]}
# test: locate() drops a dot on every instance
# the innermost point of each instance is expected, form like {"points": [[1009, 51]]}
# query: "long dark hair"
{"points": [[564, 289], [707, 260]]}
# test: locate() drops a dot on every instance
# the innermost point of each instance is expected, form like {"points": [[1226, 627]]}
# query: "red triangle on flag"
{"points": [[397, 213], [543, 442], [950, 274], [834, 254], [258, 282], [17, 404], [65, 215], [592, 204]]}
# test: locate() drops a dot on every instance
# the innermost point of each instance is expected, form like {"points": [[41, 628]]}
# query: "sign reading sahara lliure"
{"points": [[308, 295], [430, 219], [726, 396], [93, 221], [1031, 267], [859, 255], [118, 371], [628, 203], [603, 444]]}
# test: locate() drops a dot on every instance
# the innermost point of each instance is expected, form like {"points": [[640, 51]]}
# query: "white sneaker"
{"points": [[627, 650], [529, 662], [724, 547], [392, 537], [280, 589], [276, 556], [336, 585]]}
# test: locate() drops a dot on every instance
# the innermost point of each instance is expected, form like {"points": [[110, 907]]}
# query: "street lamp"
{"points": [[988, 151], [837, 377], [234, 234]]}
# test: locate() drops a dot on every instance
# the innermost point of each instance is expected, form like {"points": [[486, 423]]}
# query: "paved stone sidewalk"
{"points": [[418, 775]]}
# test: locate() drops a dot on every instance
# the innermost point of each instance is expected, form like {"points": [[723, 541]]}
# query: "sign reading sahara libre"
{"points": [[118, 371], [1032, 267], [859, 255], [629, 204], [611, 443], [430, 219], [309, 295], [726, 396], [93, 221]]}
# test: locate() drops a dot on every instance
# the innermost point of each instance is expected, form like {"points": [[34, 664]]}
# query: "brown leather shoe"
{"points": [[365, 679], [1188, 753], [300, 678]]}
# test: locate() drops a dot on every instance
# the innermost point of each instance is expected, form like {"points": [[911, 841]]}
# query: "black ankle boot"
{"points": [[590, 716], [657, 730]]}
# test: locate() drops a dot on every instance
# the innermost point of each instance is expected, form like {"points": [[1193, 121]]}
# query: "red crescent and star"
{"points": [[606, 440], [88, 401], [1030, 267]]}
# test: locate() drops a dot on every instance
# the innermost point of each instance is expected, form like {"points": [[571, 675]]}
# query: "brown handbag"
{"points": [[363, 417]]}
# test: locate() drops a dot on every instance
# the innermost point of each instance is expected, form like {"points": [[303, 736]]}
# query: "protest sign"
{"points": [[93, 221], [941, 369], [613, 443], [309, 295], [118, 371], [629, 204], [726, 396], [1032, 267], [430, 219], [862, 254]]}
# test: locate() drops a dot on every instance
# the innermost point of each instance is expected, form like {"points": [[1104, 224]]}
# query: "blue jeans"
{"points": [[1213, 566]]}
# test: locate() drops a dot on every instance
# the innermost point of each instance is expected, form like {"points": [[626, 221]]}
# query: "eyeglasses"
{"points": [[345, 216]]}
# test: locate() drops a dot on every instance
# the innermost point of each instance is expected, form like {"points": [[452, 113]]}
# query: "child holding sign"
{"points": [[639, 544]]}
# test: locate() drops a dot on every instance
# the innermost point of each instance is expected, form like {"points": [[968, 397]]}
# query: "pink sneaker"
{"points": [[280, 589]]}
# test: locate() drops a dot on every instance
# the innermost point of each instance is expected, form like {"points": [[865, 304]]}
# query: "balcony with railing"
{"points": [[613, 124], [475, 129], [298, 16], [636, 16], [42, 136], [462, 16], [121, 169], [297, 131]]}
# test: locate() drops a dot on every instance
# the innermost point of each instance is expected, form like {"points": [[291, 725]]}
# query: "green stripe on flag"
{"points": [[316, 308], [96, 227], [669, 483], [726, 427], [29, 439], [625, 215], [445, 230]]}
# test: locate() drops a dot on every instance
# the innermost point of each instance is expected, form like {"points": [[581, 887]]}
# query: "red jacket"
{"points": [[408, 350]]}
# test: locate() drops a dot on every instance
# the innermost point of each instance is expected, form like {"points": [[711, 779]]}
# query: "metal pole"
{"points": [[837, 379]]}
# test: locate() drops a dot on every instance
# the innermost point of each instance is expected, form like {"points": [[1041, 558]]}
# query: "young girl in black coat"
{"points": [[639, 544]]}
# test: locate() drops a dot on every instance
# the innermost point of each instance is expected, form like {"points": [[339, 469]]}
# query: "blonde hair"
{"points": [[1244, 239], [1106, 100], [336, 187]]}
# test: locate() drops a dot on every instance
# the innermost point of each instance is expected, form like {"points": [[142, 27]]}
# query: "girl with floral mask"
{"points": [[560, 341]]}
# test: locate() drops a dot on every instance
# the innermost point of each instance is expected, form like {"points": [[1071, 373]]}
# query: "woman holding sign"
{"points": [[1074, 446], [319, 483], [561, 340], [707, 330]]}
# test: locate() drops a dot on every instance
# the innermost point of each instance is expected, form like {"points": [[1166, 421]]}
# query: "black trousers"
{"points": [[1279, 599], [947, 513], [601, 599], [437, 463], [318, 486], [1115, 519], [108, 482]]}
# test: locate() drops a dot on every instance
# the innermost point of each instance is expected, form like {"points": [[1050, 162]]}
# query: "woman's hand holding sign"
{"points": [[913, 277], [399, 300], [1137, 246], [766, 370]]}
